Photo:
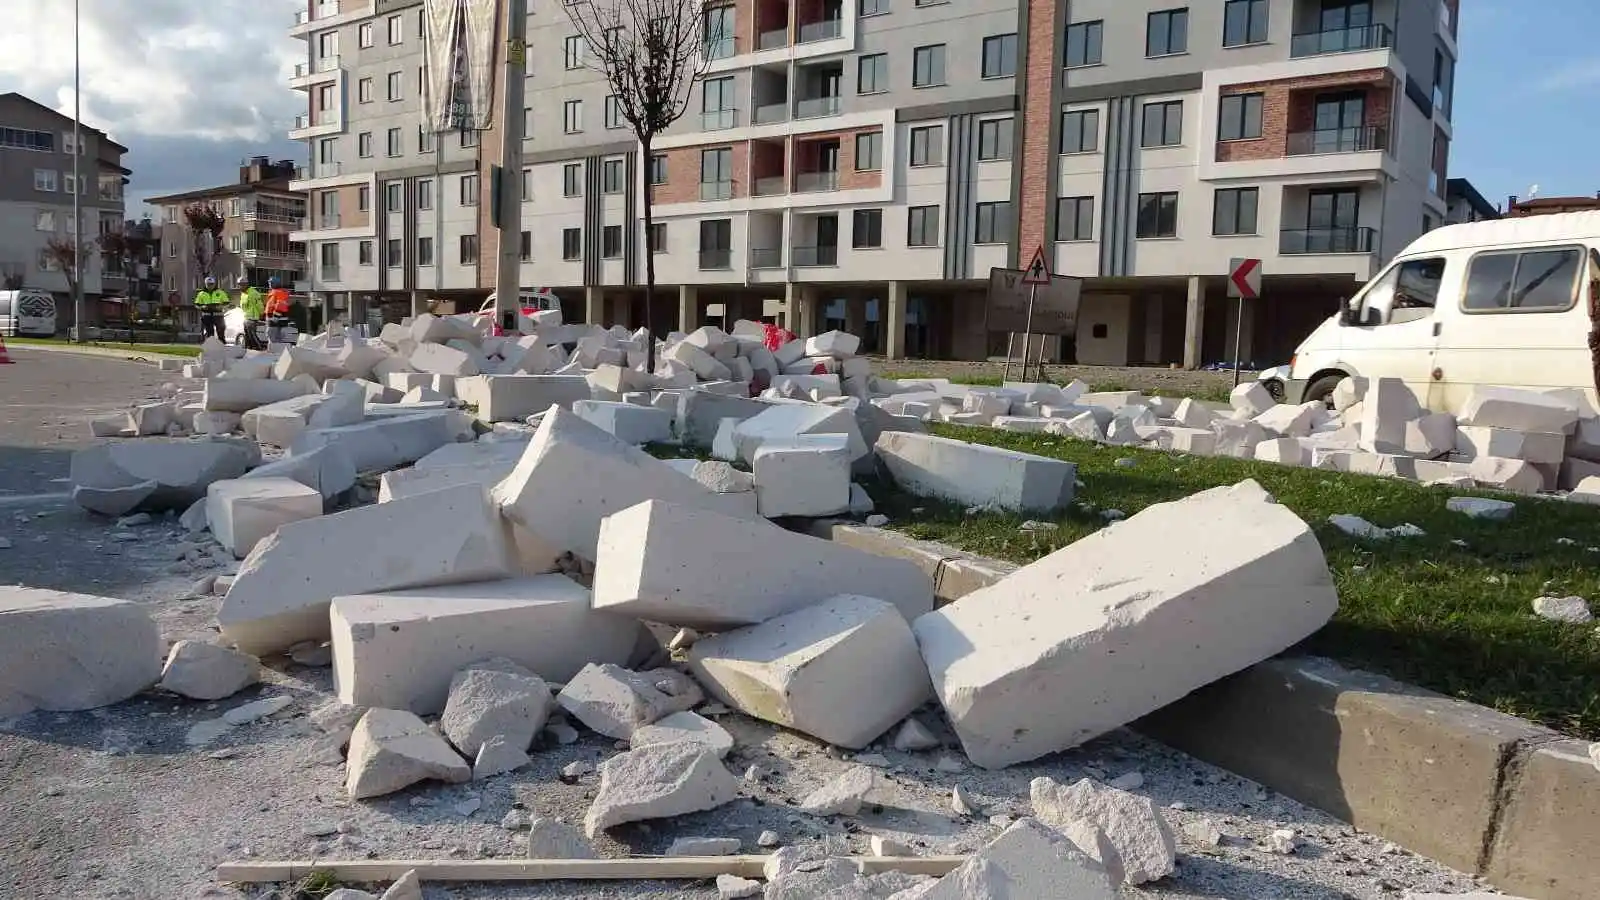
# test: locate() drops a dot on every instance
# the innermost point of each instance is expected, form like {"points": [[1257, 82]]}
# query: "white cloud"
{"points": [[1581, 74]]}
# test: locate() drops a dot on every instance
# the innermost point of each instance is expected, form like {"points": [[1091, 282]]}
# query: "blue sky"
{"points": [[1527, 103]]}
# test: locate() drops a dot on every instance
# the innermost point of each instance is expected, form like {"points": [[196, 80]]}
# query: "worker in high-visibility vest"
{"points": [[254, 308], [277, 312], [213, 304]]}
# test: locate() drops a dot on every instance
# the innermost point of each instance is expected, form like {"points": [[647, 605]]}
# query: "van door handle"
{"points": [[1436, 326]]}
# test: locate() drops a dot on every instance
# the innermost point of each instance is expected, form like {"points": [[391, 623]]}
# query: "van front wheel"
{"points": [[1321, 390]]}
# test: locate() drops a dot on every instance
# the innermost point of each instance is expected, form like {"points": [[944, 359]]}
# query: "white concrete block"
{"points": [[684, 727], [405, 382], [384, 443], [1023, 424], [215, 422], [699, 413], [1481, 508], [1515, 475], [1199, 441], [1473, 441], [806, 384], [296, 361], [804, 670], [1237, 438], [782, 421], [789, 353], [442, 360], [659, 781], [393, 749], [1285, 451], [511, 398], [421, 394], [342, 407], [167, 474], [62, 652], [704, 365], [202, 671], [243, 395], [1027, 860], [1431, 436], [1518, 410], [282, 591], [1037, 662], [245, 511], [1290, 421], [837, 344], [327, 470], [401, 648], [974, 474], [1083, 426], [651, 564], [402, 483], [1251, 399], [629, 422], [1194, 414], [1348, 392], [803, 476], [1144, 843], [611, 382]]}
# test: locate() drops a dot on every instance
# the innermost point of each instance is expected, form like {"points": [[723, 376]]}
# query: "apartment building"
{"points": [[865, 163], [1464, 203], [36, 195], [260, 215]]}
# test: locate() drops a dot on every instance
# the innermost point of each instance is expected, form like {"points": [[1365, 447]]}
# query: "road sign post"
{"points": [[1037, 273], [1244, 283]]}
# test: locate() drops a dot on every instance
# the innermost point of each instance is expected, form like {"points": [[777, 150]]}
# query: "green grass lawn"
{"points": [[165, 349], [1219, 395], [1454, 618]]}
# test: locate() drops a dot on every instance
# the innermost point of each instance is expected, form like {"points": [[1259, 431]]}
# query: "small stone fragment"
{"points": [[497, 756], [314, 654], [882, 846], [1282, 842], [202, 671], [914, 736], [1133, 824], [684, 727], [704, 846], [732, 887], [659, 781], [515, 820], [550, 839], [1481, 508], [1128, 781], [258, 709], [406, 887], [393, 749], [576, 769], [768, 838], [841, 796], [1573, 610], [962, 802], [497, 697], [1203, 833]]}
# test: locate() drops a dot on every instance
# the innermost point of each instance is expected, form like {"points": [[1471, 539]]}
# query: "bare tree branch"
{"points": [[205, 226]]}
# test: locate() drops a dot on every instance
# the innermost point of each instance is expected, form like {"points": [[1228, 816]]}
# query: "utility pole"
{"points": [[77, 181], [507, 205]]}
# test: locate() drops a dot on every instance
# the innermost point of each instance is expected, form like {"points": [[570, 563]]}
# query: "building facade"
{"points": [[36, 196], [864, 164], [1465, 204]]}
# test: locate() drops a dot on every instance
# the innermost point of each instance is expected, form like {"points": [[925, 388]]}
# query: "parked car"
{"points": [[1511, 302], [233, 328]]}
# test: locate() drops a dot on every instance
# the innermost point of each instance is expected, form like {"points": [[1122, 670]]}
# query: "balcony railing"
{"points": [[771, 186], [820, 31], [718, 119], [1337, 140], [808, 182], [1298, 241], [772, 40], [302, 121], [323, 10], [328, 222], [822, 255], [325, 64], [716, 190], [255, 215], [811, 107], [1341, 40], [766, 257], [110, 192], [259, 253], [769, 113], [716, 259]]}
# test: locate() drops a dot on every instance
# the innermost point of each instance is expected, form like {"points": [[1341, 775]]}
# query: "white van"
{"points": [[1511, 302], [27, 313], [528, 302]]}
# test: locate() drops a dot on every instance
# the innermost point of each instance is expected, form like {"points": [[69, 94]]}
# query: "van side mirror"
{"points": [[1347, 316]]}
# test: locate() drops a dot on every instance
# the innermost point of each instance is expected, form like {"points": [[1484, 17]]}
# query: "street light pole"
{"points": [[77, 181]]}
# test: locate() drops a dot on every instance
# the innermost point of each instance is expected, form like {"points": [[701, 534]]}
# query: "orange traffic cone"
{"points": [[5, 359]]}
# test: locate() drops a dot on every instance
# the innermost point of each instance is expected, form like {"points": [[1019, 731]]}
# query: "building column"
{"points": [[1194, 321], [594, 306], [327, 310], [688, 308], [855, 315], [418, 307], [894, 321], [802, 309]]}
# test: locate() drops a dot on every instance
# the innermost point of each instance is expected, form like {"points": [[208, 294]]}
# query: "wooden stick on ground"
{"points": [[636, 868]]}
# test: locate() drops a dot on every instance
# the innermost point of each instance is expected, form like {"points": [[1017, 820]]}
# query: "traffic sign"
{"points": [[1038, 271], [1244, 278], [1055, 305]]}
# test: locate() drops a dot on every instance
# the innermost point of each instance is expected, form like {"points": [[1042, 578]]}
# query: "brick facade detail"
{"points": [[683, 172], [1288, 106], [1039, 77], [805, 149]]}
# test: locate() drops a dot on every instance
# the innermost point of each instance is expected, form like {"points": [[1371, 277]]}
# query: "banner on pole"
{"points": [[1055, 307]]}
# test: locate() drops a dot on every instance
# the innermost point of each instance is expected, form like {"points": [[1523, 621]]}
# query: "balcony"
{"points": [[812, 107], [255, 253], [769, 113], [716, 190], [251, 214], [327, 222], [771, 187], [825, 30], [112, 192], [821, 255], [324, 10], [812, 182], [773, 40], [719, 258], [324, 66], [719, 119], [1340, 40], [302, 121], [1337, 140], [766, 257], [1301, 241]]}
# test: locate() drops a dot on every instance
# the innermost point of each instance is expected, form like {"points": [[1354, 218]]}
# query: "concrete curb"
{"points": [[1484, 792], [111, 352]]}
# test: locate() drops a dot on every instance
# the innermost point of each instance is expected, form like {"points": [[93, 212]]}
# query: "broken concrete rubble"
{"points": [[385, 443], [63, 651], [496, 698], [512, 398], [684, 727], [807, 475], [1145, 845], [975, 474], [202, 671], [1027, 860], [242, 395], [156, 474], [615, 701], [327, 470], [393, 749], [656, 782], [242, 512]]}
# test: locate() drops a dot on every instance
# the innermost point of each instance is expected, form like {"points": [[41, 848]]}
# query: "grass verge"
{"points": [[1449, 611], [1218, 395], [190, 350]]}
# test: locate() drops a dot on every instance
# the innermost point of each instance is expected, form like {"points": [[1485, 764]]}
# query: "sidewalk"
{"points": [[91, 350]]}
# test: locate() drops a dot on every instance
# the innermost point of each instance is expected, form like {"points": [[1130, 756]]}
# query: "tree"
{"points": [[12, 278], [114, 251], [64, 253], [651, 53], [205, 228]]}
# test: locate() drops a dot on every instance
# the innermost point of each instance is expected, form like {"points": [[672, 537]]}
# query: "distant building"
{"points": [[259, 212], [1464, 204], [36, 188], [1545, 206]]}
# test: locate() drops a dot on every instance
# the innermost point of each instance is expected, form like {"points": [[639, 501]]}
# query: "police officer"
{"points": [[213, 304], [254, 309]]}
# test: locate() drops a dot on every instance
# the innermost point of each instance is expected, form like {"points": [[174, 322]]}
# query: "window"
{"points": [[994, 139], [1158, 215], [927, 66], [234, 243], [1080, 131], [719, 30], [469, 190], [994, 223], [872, 73], [48, 262], [1167, 32], [397, 30], [922, 226], [364, 253], [716, 103], [425, 193], [525, 250], [611, 176], [572, 52], [469, 249], [1241, 117], [866, 229], [572, 116], [1414, 285], [425, 141], [658, 168], [45, 221], [613, 111], [393, 196], [25, 139], [716, 174], [393, 254], [1000, 56], [424, 251], [364, 197], [869, 151], [364, 144], [527, 120], [927, 145], [396, 143], [44, 179], [571, 243], [394, 85], [1163, 124], [364, 35], [469, 139], [1083, 43], [330, 260], [716, 243], [364, 90], [1244, 22], [1075, 219], [325, 150], [527, 185], [611, 241], [1444, 74], [572, 180], [874, 7], [1234, 211], [1545, 280]]}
